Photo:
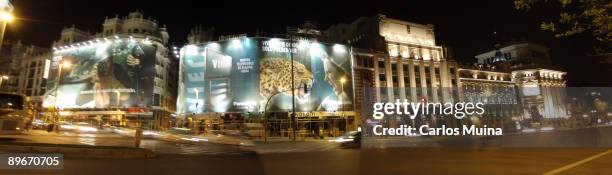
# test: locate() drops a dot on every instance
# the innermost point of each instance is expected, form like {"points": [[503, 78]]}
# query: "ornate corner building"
{"points": [[400, 60]]}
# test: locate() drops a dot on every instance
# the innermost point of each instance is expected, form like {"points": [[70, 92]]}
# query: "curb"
{"points": [[83, 152]]}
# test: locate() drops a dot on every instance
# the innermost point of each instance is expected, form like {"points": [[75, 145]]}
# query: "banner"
{"points": [[254, 74], [101, 75]]}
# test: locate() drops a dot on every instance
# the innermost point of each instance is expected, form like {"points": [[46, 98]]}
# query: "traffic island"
{"points": [[77, 151]]}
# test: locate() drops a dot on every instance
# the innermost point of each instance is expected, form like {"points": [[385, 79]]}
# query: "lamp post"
{"points": [[196, 128], [293, 120], [6, 8], [197, 99], [342, 81], [63, 64], [118, 96]]}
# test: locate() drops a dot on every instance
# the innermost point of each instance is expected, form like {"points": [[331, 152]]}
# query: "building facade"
{"points": [[234, 83], [531, 89], [124, 75], [397, 60], [12, 56]]}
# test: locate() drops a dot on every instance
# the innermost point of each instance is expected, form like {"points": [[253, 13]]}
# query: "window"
{"points": [[382, 77], [156, 99], [416, 69], [408, 29], [437, 71], [426, 70], [405, 69], [381, 64]]}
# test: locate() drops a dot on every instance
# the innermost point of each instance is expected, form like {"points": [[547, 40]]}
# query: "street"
{"points": [[582, 137], [580, 151], [391, 161], [111, 139]]}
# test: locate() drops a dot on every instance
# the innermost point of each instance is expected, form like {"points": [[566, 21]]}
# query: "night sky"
{"points": [[466, 26]]}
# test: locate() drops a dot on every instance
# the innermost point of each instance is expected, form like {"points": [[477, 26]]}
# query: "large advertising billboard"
{"points": [[102, 75], [254, 74]]}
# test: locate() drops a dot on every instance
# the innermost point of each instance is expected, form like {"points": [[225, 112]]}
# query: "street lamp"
{"points": [[66, 65], [342, 81], [118, 96], [197, 99], [6, 8], [6, 16]]}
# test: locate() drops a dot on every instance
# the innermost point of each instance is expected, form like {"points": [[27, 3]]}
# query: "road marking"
{"points": [[567, 167]]}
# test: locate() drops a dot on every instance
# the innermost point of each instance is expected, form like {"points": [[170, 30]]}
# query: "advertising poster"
{"points": [[254, 74], [101, 75]]}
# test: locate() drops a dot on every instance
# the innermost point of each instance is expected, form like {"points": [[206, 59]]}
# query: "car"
{"points": [[351, 139]]}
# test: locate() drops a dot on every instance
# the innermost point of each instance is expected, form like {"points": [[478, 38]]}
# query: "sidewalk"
{"points": [[80, 151], [98, 134]]}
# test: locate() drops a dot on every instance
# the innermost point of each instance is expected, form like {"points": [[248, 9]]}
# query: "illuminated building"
{"points": [[518, 55], [125, 75], [399, 59], [543, 93], [395, 59], [198, 35], [495, 89], [238, 81], [12, 56], [32, 78], [523, 72]]}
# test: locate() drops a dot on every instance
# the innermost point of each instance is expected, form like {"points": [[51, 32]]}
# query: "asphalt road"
{"points": [[338, 162], [583, 151], [111, 139], [572, 138]]}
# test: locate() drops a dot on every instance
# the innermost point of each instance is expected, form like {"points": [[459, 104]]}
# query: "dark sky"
{"points": [[466, 26]]}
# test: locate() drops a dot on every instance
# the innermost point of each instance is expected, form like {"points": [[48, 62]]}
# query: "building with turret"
{"points": [[124, 75]]}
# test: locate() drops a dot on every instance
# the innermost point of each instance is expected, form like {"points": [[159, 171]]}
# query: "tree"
{"points": [[577, 17]]}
